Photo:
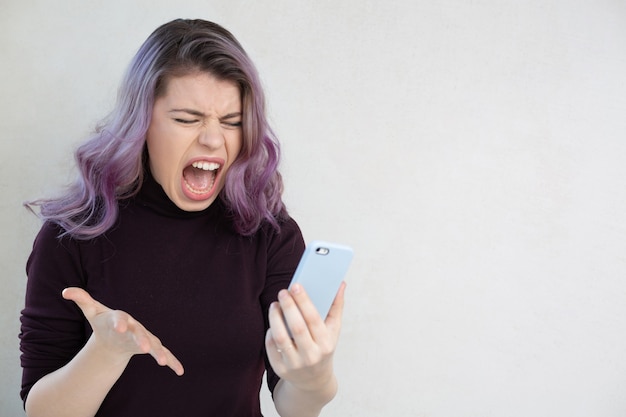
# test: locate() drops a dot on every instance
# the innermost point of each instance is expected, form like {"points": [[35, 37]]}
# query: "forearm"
{"points": [[78, 388], [291, 401]]}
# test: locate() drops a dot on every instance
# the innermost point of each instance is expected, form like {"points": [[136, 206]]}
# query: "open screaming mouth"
{"points": [[200, 176]]}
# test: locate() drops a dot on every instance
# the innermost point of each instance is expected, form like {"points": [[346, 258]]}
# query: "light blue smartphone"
{"points": [[321, 270]]}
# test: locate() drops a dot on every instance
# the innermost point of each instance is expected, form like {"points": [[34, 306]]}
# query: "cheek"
{"points": [[235, 145], [161, 157]]}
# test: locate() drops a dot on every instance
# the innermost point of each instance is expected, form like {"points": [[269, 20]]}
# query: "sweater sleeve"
{"points": [[285, 250], [53, 329]]}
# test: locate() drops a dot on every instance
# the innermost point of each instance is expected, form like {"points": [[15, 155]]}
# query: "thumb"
{"points": [[333, 318], [83, 300]]}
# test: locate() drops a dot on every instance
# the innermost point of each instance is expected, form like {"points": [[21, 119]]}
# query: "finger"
{"points": [[83, 300], [157, 350], [282, 341], [312, 319], [165, 357], [296, 323], [281, 359], [270, 344], [273, 353], [149, 343], [277, 323], [333, 320], [120, 322], [143, 339], [174, 364]]}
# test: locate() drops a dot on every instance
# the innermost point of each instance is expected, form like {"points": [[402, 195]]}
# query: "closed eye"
{"points": [[185, 121], [232, 120], [232, 124]]}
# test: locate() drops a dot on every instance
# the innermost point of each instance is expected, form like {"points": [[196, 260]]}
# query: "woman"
{"points": [[177, 228]]}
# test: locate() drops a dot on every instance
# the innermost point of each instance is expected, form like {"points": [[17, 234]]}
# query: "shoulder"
{"points": [[51, 236], [288, 231], [285, 245], [53, 252]]}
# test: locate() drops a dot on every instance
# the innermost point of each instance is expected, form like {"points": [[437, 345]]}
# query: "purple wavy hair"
{"points": [[111, 162]]}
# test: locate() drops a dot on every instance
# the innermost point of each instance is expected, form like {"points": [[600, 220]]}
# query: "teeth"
{"points": [[207, 166]]}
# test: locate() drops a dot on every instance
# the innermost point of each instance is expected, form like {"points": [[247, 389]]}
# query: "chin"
{"points": [[194, 205]]}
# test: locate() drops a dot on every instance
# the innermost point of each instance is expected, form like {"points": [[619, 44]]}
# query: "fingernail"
{"points": [[296, 289], [282, 294]]}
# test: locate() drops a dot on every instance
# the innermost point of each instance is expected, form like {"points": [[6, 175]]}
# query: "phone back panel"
{"points": [[321, 270]]}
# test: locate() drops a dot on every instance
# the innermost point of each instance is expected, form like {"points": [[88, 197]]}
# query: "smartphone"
{"points": [[321, 270]]}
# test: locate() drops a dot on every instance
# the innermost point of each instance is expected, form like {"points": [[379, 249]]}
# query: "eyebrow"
{"points": [[200, 114]]}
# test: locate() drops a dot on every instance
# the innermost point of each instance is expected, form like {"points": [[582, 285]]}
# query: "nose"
{"points": [[212, 136]]}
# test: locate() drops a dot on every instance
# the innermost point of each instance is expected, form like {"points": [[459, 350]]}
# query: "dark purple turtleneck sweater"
{"points": [[189, 278]]}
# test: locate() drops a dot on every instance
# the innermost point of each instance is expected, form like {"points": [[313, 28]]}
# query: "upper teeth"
{"points": [[207, 166]]}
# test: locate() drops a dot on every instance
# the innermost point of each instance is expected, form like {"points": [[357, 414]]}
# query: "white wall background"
{"points": [[472, 152]]}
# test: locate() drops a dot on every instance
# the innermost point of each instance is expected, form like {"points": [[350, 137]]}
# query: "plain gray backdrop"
{"points": [[472, 152]]}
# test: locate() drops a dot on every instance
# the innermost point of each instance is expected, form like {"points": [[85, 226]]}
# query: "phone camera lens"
{"points": [[322, 251]]}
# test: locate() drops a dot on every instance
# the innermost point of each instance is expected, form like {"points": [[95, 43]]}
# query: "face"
{"points": [[194, 137]]}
